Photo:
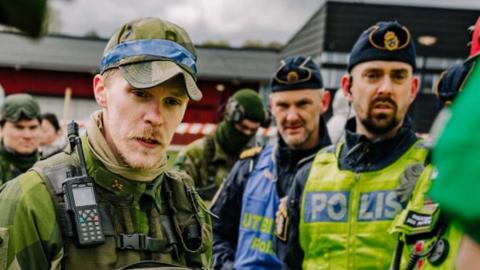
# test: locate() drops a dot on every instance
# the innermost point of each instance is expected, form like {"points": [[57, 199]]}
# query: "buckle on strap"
{"points": [[136, 241], [140, 241]]}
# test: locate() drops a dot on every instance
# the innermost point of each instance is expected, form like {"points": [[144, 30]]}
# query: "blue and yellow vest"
{"points": [[260, 202], [345, 215]]}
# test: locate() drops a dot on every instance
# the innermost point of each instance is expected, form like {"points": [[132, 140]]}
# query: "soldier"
{"points": [[111, 203], [208, 160], [244, 233], [20, 124], [345, 199]]}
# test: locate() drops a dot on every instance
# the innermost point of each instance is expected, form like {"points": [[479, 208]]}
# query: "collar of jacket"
{"points": [[114, 183], [19, 161], [288, 158], [360, 154]]}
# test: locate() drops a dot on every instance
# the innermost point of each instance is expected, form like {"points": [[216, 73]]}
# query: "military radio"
{"points": [[80, 200]]}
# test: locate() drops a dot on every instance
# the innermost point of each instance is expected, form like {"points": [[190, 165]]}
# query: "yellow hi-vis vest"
{"points": [[345, 215], [418, 222]]}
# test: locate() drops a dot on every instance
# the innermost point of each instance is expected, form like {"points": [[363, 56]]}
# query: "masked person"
{"points": [[344, 200], [111, 203], [208, 160], [20, 124], [247, 203]]}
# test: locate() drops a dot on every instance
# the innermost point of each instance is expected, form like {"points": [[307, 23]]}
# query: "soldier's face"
{"points": [[381, 92], [140, 124], [22, 136], [297, 115]]}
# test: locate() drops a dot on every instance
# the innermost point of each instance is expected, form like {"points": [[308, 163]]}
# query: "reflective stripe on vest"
{"points": [[345, 215], [260, 202]]}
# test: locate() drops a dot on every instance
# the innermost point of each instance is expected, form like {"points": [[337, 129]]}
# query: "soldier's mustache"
{"points": [[149, 133]]}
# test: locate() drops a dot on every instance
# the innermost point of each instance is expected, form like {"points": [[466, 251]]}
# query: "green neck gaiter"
{"points": [[21, 162], [232, 140]]}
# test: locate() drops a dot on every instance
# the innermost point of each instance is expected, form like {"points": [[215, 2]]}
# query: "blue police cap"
{"points": [[389, 41], [451, 81], [296, 73]]}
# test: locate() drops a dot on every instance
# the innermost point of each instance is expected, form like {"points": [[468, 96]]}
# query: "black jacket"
{"points": [[359, 155], [228, 206]]}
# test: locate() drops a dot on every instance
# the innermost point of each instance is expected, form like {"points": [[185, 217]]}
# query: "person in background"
{"points": [[244, 233], [52, 139], [341, 112], [208, 160], [20, 121]]}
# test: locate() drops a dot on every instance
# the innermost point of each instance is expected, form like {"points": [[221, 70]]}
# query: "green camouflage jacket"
{"points": [[195, 160], [32, 236], [12, 165]]}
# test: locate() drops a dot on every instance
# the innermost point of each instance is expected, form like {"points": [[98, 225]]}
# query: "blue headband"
{"points": [[161, 48]]}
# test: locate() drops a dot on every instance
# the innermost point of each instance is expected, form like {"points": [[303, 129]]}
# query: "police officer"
{"points": [[344, 201], [20, 125], [244, 232], [134, 211], [208, 160]]}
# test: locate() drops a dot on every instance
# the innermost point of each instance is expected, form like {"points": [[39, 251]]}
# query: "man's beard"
{"points": [[381, 123]]}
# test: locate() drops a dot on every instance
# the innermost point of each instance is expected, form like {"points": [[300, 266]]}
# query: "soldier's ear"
{"points": [[99, 90]]}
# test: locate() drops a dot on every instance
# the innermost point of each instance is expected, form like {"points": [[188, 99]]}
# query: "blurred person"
{"points": [[52, 140], [29, 16], [341, 112], [20, 127], [246, 204], [208, 160], [344, 199], [456, 157], [109, 202]]}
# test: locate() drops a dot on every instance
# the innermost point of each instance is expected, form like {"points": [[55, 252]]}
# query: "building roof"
{"points": [[66, 53], [337, 25]]}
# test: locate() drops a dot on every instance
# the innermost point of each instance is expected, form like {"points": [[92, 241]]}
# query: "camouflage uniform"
{"points": [[11, 165], [34, 237], [209, 160], [207, 163], [159, 221], [15, 108]]}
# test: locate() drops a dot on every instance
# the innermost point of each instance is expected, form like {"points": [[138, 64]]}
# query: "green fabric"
{"points": [[18, 106], [457, 156], [192, 159], [344, 215], [251, 103], [232, 140], [13, 164], [35, 239], [26, 15], [421, 203]]}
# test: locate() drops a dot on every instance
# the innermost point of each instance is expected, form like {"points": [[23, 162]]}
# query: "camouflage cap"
{"points": [[18, 106], [150, 51]]}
